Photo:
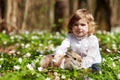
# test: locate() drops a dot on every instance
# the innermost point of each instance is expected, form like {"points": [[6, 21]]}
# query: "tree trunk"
{"points": [[103, 15], [27, 3], [92, 6], [50, 13], [83, 4], [61, 15], [12, 15], [73, 6], [2, 15], [115, 9]]}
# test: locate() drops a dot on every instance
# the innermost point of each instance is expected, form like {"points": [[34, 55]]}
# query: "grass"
{"points": [[20, 55]]}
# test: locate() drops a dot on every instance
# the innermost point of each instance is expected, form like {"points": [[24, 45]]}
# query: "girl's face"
{"points": [[80, 28]]}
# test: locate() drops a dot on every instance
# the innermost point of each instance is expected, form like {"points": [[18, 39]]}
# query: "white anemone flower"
{"points": [[41, 51], [1, 59], [63, 76], [20, 60], [108, 50], [26, 32], [100, 72], [118, 76], [18, 52], [103, 59], [55, 73], [5, 42], [40, 69], [51, 47], [27, 55], [29, 66], [12, 37], [34, 37], [22, 44], [33, 64], [57, 78], [16, 67], [27, 45], [3, 31], [90, 79], [114, 65], [47, 78], [40, 44], [37, 60]]}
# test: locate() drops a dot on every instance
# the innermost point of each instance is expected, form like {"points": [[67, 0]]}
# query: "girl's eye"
{"points": [[79, 24], [75, 24], [82, 24]]}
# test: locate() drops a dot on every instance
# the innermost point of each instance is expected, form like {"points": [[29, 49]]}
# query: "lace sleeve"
{"points": [[62, 49]]}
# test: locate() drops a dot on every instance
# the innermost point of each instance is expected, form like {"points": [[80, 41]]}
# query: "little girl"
{"points": [[80, 39]]}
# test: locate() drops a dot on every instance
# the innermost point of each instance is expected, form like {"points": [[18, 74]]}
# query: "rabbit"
{"points": [[67, 61]]}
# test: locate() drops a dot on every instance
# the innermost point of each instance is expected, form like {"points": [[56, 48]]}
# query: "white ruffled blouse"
{"points": [[86, 47]]}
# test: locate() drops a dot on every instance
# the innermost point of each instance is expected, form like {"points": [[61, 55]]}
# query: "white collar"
{"points": [[79, 38]]}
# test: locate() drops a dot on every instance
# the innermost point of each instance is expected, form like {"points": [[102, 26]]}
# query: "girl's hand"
{"points": [[57, 59]]}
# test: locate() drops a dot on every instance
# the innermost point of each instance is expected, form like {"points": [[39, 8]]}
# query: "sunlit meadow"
{"points": [[20, 55]]}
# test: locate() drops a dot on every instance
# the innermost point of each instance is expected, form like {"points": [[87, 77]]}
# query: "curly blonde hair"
{"points": [[82, 14]]}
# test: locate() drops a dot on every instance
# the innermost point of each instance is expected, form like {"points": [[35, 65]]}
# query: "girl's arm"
{"points": [[62, 49], [93, 54]]}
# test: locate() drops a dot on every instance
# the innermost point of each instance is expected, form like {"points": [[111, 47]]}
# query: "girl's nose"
{"points": [[79, 27]]}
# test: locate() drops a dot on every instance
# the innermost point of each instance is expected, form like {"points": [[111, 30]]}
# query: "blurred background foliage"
{"points": [[53, 15]]}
